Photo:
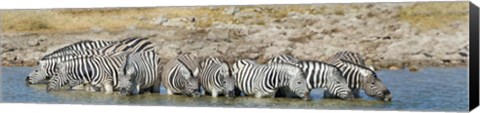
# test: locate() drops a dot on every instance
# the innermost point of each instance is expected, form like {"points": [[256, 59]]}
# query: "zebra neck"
{"points": [[353, 77], [277, 80]]}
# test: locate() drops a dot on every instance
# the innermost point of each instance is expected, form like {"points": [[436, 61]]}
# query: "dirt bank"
{"points": [[388, 35]]}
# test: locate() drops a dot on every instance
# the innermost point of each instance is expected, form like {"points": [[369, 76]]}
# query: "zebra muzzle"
{"points": [[230, 94], [27, 80], [123, 92], [388, 98]]}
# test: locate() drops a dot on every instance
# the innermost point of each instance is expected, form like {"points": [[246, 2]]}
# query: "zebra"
{"points": [[97, 71], [46, 67], [264, 80], [215, 78], [179, 76], [142, 70], [360, 77], [318, 75], [38, 75]]}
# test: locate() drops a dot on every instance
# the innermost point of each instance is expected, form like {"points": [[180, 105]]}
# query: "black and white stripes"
{"points": [[142, 71], [92, 70], [132, 66], [215, 78], [180, 76], [265, 80]]}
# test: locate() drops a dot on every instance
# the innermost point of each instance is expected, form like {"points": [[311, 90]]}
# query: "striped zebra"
{"points": [[264, 80], [215, 78], [318, 75], [179, 76], [39, 75], [46, 67], [142, 70], [97, 71], [360, 77]]}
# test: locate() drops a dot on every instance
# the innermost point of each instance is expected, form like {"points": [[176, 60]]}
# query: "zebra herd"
{"points": [[131, 66]]}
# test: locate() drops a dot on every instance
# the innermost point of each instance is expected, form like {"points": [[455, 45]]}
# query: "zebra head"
{"points": [[228, 81], [338, 86], [38, 75], [298, 84], [125, 78], [192, 86], [373, 86]]}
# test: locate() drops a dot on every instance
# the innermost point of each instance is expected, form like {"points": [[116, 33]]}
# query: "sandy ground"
{"points": [[389, 36]]}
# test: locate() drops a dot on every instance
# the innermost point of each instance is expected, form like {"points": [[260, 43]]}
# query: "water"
{"points": [[430, 89]]}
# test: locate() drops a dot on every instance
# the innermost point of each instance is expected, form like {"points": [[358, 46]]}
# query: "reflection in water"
{"points": [[425, 90]]}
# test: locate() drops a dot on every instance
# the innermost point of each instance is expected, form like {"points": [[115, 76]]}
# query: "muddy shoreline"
{"points": [[376, 31]]}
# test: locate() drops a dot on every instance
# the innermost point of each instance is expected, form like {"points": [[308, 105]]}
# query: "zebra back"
{"points": [[283, 59], [80, 45], [129, 45], [104, 47], [350, 56]]}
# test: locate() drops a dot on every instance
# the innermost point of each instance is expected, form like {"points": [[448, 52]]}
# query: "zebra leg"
{"points": [[156, 86], [108, 88], [237, 91], [136, 90], [214, 93], [202, 91], [89, 88], [169, 92]]}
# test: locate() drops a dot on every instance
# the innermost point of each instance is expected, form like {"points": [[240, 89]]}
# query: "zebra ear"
{"points": [[371, 67], [195, 73], [364, 72]]}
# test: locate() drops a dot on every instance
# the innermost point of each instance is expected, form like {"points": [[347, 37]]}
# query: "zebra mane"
{"points": [[358, 65], [185, 66], [65, 48], [322, 62], [284, 67]]}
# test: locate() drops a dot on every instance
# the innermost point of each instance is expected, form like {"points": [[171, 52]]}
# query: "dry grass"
{"points": [[425, 15], [435, 15], [117, 19]]}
